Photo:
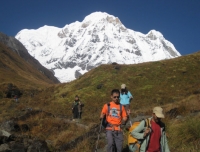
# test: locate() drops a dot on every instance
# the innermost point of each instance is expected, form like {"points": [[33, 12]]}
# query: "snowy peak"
{"points": [[99, 39], [95, 22], [153, 35], [99, 17]]}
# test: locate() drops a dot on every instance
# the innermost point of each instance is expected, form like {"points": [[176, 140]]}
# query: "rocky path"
{"points": [[131, 120], [20, 143], [11, 140]]}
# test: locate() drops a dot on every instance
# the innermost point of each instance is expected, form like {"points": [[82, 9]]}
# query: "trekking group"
{"points": [[146, 136]]}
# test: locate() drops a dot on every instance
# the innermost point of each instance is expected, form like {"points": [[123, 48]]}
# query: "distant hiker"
{"points": [[80, 105], [152, 138], [125, 98], [76, 108], [16, 98], [115, 116]]}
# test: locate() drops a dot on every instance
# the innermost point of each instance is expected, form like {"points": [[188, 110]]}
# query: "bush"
{"points": [[1, 95], [190, 130], [185, 135]]}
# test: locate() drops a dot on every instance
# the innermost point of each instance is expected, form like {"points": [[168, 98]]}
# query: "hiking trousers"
{"points": [[127, 107], [75, 113], [114, 137], [80, 113]]}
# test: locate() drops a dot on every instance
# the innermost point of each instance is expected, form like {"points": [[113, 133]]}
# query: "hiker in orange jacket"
{"points": [[115, 117]]}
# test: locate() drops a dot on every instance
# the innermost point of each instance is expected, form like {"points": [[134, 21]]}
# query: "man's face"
{"points": [[76, 98], [115, 97], [155, 118]]}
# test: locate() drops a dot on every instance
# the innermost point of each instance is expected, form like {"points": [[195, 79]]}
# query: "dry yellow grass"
{"points": [[170, 84]]}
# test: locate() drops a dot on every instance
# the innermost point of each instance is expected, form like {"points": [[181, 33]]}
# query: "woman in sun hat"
{"points": [[125, 98]]}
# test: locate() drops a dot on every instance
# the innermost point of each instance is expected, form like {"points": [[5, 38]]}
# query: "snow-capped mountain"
{"points": [[99, 39]]}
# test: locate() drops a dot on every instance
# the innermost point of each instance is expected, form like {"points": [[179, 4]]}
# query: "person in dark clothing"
{"points": [[80, 105], [76, 108]]}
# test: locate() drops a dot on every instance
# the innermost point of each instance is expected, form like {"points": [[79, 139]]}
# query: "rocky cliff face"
{"points": [[99, 39], [17, 47]]}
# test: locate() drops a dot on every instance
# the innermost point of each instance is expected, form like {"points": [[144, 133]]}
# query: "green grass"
{"points": [[15, 70], [185, 135], [160, 83], [168, 83]]}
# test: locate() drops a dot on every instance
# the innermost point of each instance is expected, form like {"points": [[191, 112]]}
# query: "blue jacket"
{"points": [[125, 98]]}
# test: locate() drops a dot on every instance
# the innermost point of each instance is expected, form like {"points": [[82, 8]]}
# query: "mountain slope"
{"points": [[14, 69], [17, 47], [99, 39], [151, 83], [173, 84]]}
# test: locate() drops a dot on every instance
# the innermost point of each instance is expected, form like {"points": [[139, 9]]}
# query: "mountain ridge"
{"points": [[17, 47], [17, 76], [99, 39]]}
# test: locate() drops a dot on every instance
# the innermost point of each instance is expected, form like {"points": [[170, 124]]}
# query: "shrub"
{"points": [[190, 130], [185, 135], [1, 95]]}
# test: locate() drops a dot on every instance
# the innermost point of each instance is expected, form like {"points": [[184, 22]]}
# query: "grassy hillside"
{"points": [[170, 83], [15, 70], [153, 83]]}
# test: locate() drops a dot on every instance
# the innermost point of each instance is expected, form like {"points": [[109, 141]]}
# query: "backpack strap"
{"points": [[121, 109], [108, 104], [147, 123]]}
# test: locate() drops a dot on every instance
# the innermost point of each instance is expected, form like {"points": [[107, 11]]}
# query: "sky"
{"points": [[177, 20]]}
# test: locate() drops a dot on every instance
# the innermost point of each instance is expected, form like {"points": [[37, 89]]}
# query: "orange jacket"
{"points": [[114, 117]]}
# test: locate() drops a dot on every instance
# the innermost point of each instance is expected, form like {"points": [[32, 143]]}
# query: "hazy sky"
{"points": [[177, 20]]}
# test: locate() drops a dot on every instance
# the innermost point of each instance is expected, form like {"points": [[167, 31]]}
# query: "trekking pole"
{"points": [[130, 119], [99, 135], [129, 116]]}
